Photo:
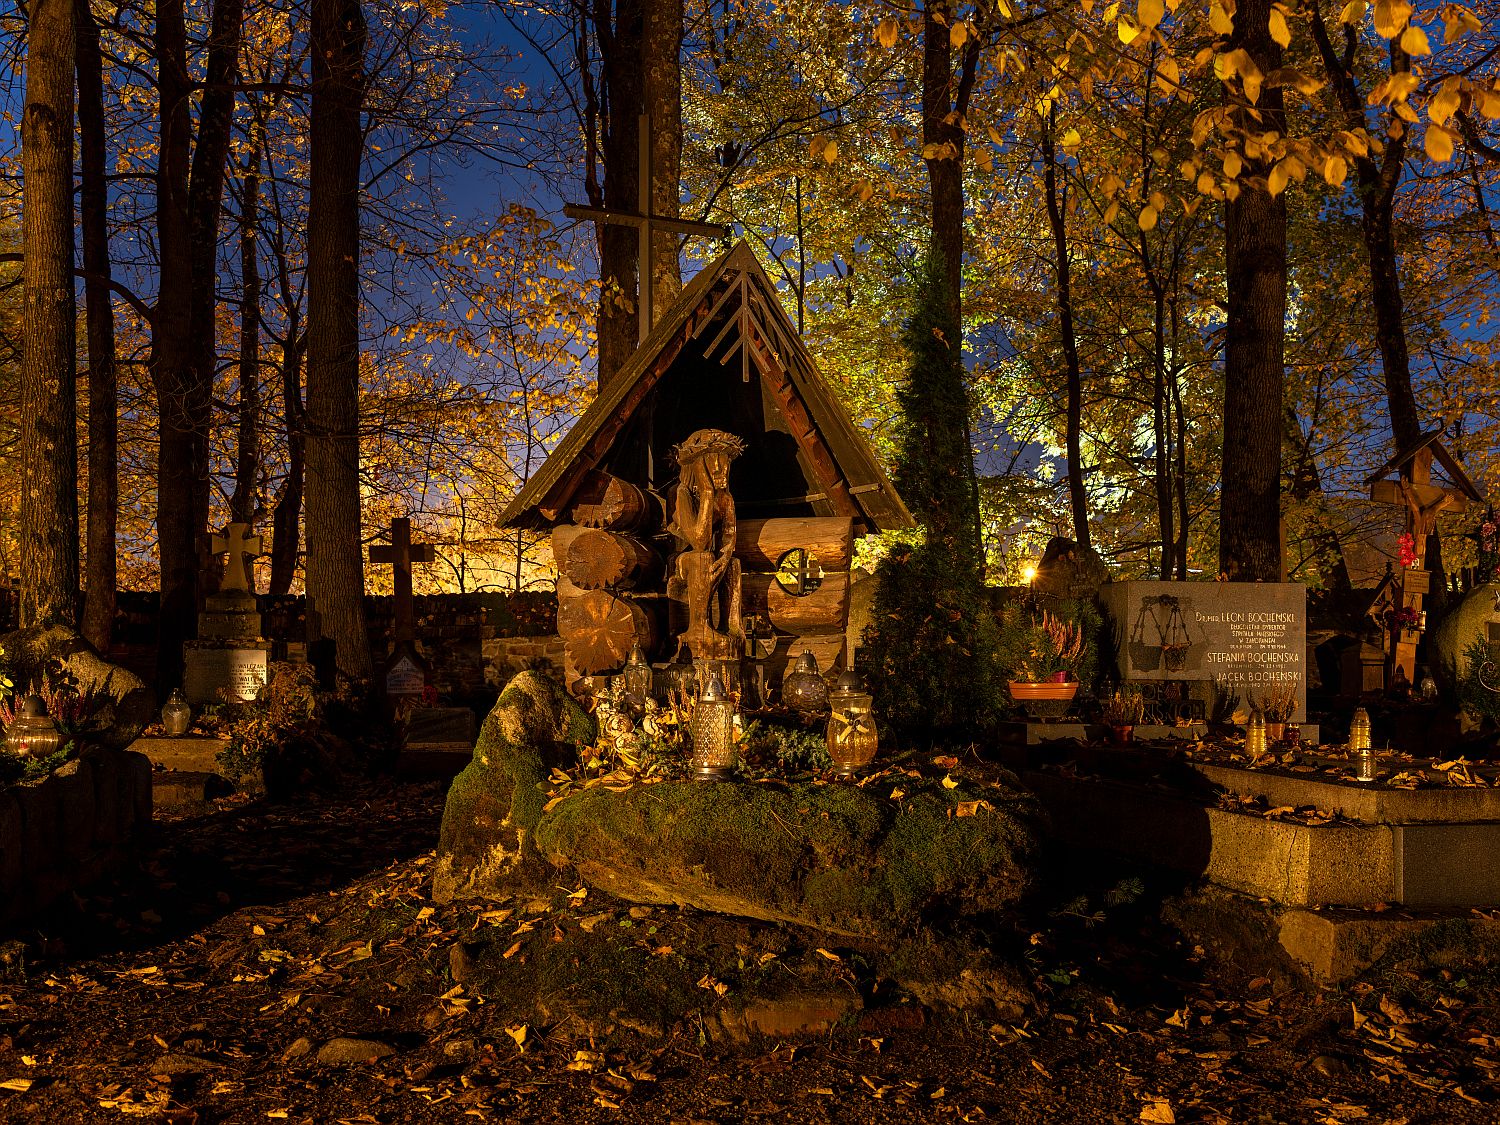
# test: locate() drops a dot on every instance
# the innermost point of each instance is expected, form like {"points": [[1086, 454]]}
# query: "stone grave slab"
{"points": [[438, 742], [1238, 637], [213, 671], [1437, 864], [186, 752], [1373, 804]]}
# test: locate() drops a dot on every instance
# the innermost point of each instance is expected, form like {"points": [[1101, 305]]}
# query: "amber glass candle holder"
{"points": [[852, 738]]}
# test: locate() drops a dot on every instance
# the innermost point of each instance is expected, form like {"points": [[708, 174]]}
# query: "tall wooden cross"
{"points": [[240, 545], [1422, 501], [401, 553], [646, 224]]}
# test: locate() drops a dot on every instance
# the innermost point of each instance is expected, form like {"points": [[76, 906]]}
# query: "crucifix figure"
{"points": [[401, 553], [240, 545], [646, 224], [1423, 501]]}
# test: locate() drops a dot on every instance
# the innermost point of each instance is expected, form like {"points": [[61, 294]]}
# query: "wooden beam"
{"points": [[658, 222]]}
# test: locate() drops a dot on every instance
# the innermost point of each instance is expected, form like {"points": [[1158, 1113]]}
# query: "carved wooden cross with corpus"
{"points": [[240, 545], [646, 224], [1423, 502], [400, 555]]}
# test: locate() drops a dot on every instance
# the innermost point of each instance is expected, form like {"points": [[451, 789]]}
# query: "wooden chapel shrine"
{"points": [[705, 506]]}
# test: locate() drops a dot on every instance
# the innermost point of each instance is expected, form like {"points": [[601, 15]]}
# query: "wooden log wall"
{"points": [[816, 621], [611, 571], [608, 573]]}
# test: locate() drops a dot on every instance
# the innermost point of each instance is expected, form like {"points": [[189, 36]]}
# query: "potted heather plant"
{"points": [[1121, 712], [1043, 653]]}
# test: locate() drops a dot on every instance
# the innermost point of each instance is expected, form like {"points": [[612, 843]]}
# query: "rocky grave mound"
{"points": [[920, 855]]}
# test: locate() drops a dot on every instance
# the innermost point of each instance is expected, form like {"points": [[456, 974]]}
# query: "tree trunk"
{"points": [[1161, 426], [943, 152], [48, 424], [619, 37], [1254, 346], [945, 106], [1072, 369], [247, 445], [661, 46], [335, 562], [93, 203], [287, 518], [189, 188]]}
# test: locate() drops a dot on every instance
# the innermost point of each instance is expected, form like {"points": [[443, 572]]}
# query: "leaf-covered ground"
{"points": [[265, 942]]}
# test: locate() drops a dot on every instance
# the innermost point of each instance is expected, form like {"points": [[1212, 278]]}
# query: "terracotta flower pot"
{"points": [[1274, 731], [1045, 700], [1122, 734]]}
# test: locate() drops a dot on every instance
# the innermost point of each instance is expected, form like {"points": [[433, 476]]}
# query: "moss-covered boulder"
{"points": [[486, 846], [122, 701], [1464, 623], [844, 859]]}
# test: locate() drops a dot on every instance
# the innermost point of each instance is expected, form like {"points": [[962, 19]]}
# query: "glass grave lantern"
{"points": [[715, 753], [176, 715], [852, 739], [1255, 735], [33, 733], [1361, 753], [635, 680], [804, 690]]}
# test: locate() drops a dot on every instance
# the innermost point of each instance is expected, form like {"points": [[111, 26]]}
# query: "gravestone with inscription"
{"points": [[1236, 638], [230, 658]]}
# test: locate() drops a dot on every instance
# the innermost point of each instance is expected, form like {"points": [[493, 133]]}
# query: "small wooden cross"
{"points": [[401, 553], [646, 224], [240, 545]]}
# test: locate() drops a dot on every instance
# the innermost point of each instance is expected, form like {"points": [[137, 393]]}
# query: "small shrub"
{"points": [[785, 748], [284, 719]]}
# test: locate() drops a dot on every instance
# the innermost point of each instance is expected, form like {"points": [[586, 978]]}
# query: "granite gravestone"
{"points": [[1237, 638], [231, 659]]}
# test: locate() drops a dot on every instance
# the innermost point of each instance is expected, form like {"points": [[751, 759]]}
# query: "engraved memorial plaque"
{"points": [[1239, 636], [239, 672]]}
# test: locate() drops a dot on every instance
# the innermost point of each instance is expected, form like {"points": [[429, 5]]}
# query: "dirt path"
{"points": [[262, 944]]}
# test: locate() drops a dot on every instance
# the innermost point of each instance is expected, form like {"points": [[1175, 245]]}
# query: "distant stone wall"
{"points": [[475, 642], [62, 832]]}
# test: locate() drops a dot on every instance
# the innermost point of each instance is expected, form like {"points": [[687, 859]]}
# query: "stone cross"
{"points": [[400, 555], [646, 224], [240, 545]]}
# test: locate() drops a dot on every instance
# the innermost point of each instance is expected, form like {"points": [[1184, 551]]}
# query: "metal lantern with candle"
{"points": [[852, 739], [1255, 735], [804, 689], [715, 752], [33, 733]]}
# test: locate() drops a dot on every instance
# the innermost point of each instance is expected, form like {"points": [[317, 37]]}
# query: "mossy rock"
{"points": [[485, 846], [1461, 626], [126, 704], [843, 859]]}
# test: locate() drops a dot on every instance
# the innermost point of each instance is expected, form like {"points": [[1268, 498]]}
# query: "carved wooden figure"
{"points": [[706, 577]]}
